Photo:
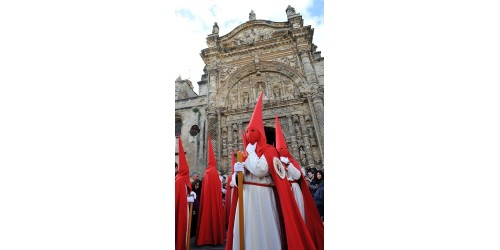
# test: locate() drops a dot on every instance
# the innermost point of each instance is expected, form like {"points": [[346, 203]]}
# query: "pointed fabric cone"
{"points": [[314, 224], [257, 124], [280, 140], [183, 173], [229, 189], [212, 165], [210, 230], [182, 188]]}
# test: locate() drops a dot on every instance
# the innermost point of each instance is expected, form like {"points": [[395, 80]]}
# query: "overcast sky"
{"points": [[194, 21]]}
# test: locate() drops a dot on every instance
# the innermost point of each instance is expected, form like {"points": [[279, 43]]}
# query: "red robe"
{"points": [[230, 224], [181, 211], [292, 226], [210, 230], [228, 199], [313, 219]]}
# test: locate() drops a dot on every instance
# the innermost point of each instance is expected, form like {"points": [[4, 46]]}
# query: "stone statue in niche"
{"points": [[310, 130], [244, 96], [276, 92], [236, 135], [297, 129], [259, 88], [224, 132], [233, 100], [302, 154], [289, 90]]}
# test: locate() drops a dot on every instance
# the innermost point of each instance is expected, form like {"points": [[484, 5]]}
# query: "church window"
{"points": [[194, 130], [178, 125]]}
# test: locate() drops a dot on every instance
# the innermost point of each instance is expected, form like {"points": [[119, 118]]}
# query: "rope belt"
{"points": [[258, 184], [293, 182]]}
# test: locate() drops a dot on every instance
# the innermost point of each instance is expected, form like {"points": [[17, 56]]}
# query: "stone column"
{"points": [[292, 144], [219, 140], [319, 116], [317, 113], [308, 68], [298, 138], [305, 138], [212, 85], [230, 137]]}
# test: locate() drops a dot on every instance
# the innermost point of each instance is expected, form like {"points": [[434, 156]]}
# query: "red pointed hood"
{"points": [[183, 173], [280, 140], [212, 165], [255, 129]]}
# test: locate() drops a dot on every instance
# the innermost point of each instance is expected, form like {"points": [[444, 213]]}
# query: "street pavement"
{"points": [[216, 247]]}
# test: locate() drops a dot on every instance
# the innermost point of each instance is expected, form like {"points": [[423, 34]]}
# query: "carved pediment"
{"points": [[253, 32], [249, 37]]}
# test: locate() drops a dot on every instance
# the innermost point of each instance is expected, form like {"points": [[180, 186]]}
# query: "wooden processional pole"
{"points": [[189, 225], [240, 204]]}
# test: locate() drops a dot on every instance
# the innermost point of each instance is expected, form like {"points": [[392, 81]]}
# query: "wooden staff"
{"points": [[240, 204], [189, 225]]}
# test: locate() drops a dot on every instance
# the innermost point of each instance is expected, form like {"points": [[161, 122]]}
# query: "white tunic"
{"points": [[294, 174], [262, 225]]}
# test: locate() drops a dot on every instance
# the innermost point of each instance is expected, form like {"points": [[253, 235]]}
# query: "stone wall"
{"points": [[277, 58]]}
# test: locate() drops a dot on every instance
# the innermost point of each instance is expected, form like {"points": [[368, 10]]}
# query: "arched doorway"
{"points": [[270, 135]]}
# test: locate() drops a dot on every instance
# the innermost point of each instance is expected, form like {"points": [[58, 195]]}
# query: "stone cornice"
{"points": [[191, 102], [266, 105], [246, 49]]}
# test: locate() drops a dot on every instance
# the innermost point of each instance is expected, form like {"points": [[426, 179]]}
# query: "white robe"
{"points": [[293, 174], [262, 225]]}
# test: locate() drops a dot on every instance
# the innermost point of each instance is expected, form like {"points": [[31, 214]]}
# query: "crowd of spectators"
{"points": [[315, 180]]}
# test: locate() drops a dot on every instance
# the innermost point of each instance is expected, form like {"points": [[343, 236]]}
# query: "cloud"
{"points": [[193, 21], [185, 13]]}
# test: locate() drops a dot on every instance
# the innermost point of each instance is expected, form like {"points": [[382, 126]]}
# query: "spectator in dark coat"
{"points": [[319, 199], [318, 178], [196, 206]]}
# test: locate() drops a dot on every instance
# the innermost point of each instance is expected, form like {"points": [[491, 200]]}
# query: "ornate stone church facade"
{"points": [[278, 58]]}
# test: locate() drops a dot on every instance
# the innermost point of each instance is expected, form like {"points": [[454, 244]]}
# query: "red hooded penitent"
{"points": [[293, 227], [313, 219], [211, 230], [182, 183]]}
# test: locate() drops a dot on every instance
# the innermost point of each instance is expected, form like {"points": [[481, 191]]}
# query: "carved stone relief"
{"points": [[251, 36], [275, 86], [226, 71], [262, 56], [288, 60]]}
